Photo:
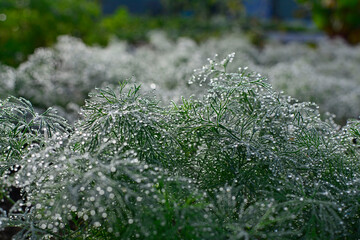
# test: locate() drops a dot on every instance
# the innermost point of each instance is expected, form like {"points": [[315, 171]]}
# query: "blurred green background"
{"points": [[28, 24]]}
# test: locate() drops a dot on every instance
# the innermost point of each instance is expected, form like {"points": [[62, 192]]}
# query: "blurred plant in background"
{"points": [[337, 17], [135, 28], [64, 74], [29, 24]]}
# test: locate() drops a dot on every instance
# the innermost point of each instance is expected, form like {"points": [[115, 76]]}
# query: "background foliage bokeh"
{"points": [[337, 17], [28, 24]]}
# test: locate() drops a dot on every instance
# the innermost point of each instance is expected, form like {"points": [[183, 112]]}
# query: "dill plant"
{"points": [[98, 183], [22, 126], [241, 162], [21, 129], [275, 150]]}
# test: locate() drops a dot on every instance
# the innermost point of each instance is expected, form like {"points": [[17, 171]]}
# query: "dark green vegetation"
{"points": [[29, 24], [337, 17], [243, 162]]}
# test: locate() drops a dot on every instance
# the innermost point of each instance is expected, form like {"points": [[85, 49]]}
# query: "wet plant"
{"points": [[242, 161], [22, 128]]}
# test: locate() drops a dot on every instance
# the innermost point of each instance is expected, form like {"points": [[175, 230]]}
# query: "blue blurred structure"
{"points": [[274, 9], [134, 6], [262, 9], [259, 8]]}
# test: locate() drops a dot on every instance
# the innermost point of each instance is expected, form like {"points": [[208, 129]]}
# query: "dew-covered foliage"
{"points": [[236, 161], [21, 126]]}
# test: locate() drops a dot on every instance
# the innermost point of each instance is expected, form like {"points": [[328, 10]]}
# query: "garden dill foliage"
{"points": [[240, 162], [21, 129], [21, 126]]}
